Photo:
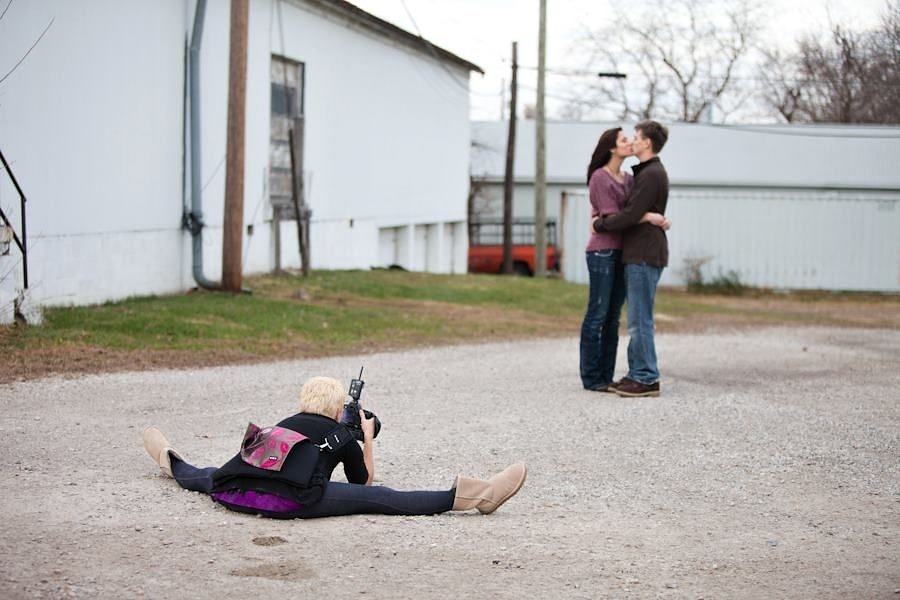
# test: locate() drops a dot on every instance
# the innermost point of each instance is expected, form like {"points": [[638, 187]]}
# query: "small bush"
{"points": [[728, 283], [693, 272], [724, 283]]}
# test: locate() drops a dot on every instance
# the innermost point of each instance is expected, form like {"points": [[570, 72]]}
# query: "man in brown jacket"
{"points": [[645, 252]]}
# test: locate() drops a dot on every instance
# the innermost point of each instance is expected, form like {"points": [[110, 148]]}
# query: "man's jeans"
{"points": [[600, 328], [641, 282]]}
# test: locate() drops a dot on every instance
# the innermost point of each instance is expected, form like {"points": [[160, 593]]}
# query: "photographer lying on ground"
{"points": [[284, 471]]}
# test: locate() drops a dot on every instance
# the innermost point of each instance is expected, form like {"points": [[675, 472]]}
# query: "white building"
{"points": [[95, 123], [783, 206]]}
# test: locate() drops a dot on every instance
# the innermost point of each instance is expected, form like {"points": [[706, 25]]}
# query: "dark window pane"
{"points": [[283, 100]]}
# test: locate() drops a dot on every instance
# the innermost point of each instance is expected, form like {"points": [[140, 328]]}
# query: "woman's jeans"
{"points": [[600, 329], [642, 280], [338, 498]]}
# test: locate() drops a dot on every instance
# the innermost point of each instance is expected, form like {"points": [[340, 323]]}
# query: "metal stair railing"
{"points": [[21, 243]]}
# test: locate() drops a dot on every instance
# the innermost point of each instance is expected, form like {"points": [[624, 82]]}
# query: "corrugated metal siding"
{"points": [[794, 239], [848, 157]]}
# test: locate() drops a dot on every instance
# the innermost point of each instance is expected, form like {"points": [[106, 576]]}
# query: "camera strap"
{"points": [[336, 439]]}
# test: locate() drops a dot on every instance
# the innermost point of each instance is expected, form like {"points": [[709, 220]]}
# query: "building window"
{"points": [[287, 86]]}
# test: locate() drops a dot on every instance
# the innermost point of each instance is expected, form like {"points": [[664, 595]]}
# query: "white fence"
{"points": [[775, 238]]}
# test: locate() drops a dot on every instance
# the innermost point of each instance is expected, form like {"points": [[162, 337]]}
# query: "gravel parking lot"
{"points": [[769, 468]]}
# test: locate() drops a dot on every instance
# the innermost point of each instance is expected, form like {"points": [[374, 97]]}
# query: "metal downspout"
{"points": [[193, 221]]}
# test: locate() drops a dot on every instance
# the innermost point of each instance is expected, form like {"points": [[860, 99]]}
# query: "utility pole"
{"points": [[508, 179], [540, 166], [233, 225], [301, 211]]}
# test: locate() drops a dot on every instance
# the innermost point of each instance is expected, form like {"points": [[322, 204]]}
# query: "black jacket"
{"points": [[642, 242], [306, 470]]}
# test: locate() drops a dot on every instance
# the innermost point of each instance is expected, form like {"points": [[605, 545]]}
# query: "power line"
{"points": [[753, 128], [215, 171], [564, 72], [764, 129], [437, 58], [16, 66], [6, 9]]}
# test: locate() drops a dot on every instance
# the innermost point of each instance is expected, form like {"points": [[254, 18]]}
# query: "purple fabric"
{"points": [[257, 500], [607, 197]]}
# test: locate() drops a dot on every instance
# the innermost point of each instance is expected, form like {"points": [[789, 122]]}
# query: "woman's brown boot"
{"points": [[487, 496], [158, 447]]}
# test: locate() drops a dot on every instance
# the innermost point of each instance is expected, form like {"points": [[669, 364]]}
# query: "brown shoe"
{"points": [[629, 388], [603, 387]]}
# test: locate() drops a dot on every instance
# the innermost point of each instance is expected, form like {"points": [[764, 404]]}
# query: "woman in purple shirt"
{"points": [[608, 187]]}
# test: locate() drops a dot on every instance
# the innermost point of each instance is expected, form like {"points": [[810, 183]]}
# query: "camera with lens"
{"points": [[350, 417]]}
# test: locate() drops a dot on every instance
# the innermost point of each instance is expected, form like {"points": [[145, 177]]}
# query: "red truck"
{"points": [[486, 247]]}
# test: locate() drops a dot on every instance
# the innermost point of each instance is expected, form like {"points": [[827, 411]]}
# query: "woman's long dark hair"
{"points": [[602, 152]]}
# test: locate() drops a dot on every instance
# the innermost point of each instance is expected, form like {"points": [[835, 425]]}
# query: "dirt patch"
{"points": [[269, 540], [843, 311], [292, 570]]}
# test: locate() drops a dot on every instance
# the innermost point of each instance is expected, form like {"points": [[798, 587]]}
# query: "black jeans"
{"points": [[338, 498]]}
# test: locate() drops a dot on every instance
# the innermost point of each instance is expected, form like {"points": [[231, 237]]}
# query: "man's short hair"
{"points": [[322, 396], [655, 132]]}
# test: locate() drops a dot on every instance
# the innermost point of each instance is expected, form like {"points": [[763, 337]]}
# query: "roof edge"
{"points": [[891, 131], [494, 179], [390, 31]]}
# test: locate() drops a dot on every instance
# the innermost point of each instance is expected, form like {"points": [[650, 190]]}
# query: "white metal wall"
{"points": [[489, 200], [789, 239], [92, 124], [387, 137]]}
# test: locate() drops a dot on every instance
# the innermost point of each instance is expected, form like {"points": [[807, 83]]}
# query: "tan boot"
{"points": [[487, 496], [158, 447]]}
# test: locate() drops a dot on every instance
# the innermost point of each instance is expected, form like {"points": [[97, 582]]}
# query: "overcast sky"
{"points": [[482, 31]]}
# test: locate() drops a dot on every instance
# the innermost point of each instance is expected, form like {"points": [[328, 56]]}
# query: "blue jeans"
{"points": [[338, 498], [600, 328], [641, 282]]}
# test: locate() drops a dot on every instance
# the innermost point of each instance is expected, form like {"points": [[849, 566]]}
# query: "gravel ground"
{"points": [[769, 468]]}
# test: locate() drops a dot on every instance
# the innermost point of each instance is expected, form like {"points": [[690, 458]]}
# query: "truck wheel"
{"points": [[521, 269]]}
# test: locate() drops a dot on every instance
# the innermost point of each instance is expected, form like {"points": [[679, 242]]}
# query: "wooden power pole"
{"points": [[233, 225], [508, 179], [301, 211], [540, 163]]}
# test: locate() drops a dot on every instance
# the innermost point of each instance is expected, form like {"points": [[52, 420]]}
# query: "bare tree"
{"points": [[884, 71], [832, 77], [778, 91], [847, 77], [681, 58]]}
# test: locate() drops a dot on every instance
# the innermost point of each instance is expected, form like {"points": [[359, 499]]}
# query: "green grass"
{"points": [[548, 296], [328, 316], [346, 311], [253, 324]]}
